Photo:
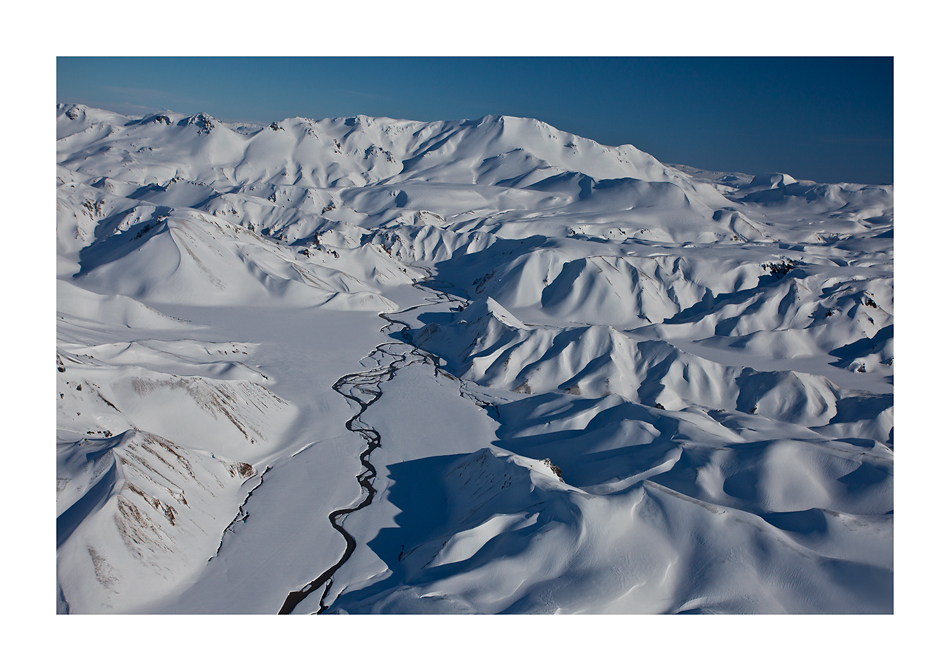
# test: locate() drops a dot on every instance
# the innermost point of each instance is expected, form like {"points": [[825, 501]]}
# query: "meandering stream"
{"points": [[364, 389]]}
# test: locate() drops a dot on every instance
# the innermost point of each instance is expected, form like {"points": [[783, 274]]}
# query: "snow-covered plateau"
{"points": [[366, 365]]}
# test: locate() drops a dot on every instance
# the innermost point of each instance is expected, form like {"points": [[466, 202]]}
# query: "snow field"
{"points": [[599, 383]]}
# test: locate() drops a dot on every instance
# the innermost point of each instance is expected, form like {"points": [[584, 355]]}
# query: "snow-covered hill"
{"points": [[374, 365]]}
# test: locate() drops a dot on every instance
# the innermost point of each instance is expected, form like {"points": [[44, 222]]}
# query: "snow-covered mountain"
{"points": [[374, 365]]}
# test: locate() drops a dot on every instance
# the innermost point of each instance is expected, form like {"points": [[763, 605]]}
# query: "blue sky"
{"points": [[826, 119]]}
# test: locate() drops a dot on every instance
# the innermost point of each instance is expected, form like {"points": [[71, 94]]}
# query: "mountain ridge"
{"points": [[468, 366]]}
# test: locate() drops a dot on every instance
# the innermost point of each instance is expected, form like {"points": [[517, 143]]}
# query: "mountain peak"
{"points": [[74, 112], [772, 180], [205, 123]]}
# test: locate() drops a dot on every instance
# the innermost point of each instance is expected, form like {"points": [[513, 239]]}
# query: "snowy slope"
{"points": [[377, 365]]}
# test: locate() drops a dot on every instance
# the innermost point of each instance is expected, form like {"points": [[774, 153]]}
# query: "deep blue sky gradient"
{"points": [[825, 119]]}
